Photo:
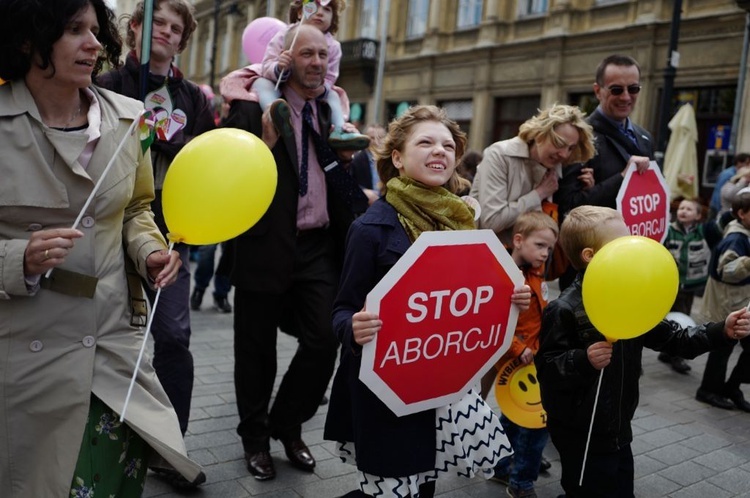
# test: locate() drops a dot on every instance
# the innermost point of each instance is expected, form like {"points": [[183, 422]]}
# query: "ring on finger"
{"points": [[46, 254]]}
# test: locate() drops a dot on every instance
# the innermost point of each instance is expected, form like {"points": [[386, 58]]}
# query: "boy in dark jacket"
{"points": [[572, 352], [727, 288]]}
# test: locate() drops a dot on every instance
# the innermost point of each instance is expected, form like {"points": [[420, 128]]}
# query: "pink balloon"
{"points": [[207, 91], [256, 36]]}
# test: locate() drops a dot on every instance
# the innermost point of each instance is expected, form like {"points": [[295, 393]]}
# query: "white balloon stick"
{"points": [[143, 347], [103, 175], [591, 427]]}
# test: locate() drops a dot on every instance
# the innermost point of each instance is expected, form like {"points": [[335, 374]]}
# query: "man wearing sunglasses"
{"points": [[619, 141]]}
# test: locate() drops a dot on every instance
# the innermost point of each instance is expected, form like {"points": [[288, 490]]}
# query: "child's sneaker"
{"points": [[281, 116], [520, 493], [341, 140]]}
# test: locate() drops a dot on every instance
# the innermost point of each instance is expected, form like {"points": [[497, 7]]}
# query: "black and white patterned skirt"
{"points": [[470, 441]]}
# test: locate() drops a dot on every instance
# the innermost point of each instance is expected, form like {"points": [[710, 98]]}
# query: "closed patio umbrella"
{"points": [[681, 157]]}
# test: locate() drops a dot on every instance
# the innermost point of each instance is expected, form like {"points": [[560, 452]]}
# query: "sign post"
{"points": [[447, 318], [643, 201]]}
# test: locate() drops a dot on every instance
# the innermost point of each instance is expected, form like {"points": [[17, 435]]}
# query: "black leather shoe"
{"points": [[176, 480], [714, 399], [299, 454], [665, 358], [544, 465], [260, 465], [739, 400], [222, 304], [679, 365], [196, 299]]}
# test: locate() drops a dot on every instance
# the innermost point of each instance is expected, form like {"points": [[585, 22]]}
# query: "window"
{"points": [[460, 111], [532, 7], [469, 13], [396, 109], [416, 21], [368, 19], [510, 115], [586, 101]]}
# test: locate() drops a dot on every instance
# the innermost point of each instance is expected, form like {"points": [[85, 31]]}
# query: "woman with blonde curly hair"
{"points": [[519, 174]]}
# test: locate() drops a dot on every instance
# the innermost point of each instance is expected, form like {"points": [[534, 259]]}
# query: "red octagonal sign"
{"points": [[447, 318], [643, 201]]}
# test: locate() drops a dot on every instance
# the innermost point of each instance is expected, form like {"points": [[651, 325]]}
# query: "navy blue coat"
{"points": [[386, 445]]}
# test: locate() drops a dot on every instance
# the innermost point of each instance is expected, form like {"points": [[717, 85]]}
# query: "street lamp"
{"points": [[214, 42], [670, 71], [385, 8]]}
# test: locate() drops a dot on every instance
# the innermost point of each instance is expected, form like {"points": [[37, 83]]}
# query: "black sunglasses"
{"points": [[619, 90]]}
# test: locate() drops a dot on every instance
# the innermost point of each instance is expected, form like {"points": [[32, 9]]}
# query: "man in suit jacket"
{"points": [[619, 141], [286, 267]]}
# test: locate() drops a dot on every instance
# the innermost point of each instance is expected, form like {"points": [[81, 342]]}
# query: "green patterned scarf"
{"points": [[424, 209]]}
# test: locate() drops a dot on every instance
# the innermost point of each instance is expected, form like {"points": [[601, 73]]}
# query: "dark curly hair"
{"points": [[31, 27]]}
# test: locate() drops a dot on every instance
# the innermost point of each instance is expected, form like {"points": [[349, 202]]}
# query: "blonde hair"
{"points": [[399, 131], [541, 129], [696, 202], [580, 230], [534, 221]]}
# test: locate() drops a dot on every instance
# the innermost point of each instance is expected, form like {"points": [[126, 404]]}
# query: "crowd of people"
{"points": [[74, 298]]}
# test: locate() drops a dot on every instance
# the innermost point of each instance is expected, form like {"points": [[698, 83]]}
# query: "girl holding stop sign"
{"points": [[403, 456]]}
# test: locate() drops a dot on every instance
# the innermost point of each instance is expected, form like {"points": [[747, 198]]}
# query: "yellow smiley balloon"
{"points": [[518, 395]]}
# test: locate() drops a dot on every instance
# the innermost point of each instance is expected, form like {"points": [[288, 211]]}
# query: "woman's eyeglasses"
{"points": [[619, 90]]}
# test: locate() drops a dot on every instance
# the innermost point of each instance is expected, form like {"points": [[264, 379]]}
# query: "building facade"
{"points": [[492, 63]]}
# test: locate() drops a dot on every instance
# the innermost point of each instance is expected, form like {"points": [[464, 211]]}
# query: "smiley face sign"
{"points": [[518, 395]]}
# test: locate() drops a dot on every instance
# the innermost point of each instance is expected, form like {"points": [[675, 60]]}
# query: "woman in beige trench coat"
{"points": [[68, 340]]}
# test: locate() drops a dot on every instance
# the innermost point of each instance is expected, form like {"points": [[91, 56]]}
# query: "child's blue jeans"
{"points": [[523, 465]]}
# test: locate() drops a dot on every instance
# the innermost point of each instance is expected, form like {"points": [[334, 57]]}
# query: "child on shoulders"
{"points": [[258, 82]]}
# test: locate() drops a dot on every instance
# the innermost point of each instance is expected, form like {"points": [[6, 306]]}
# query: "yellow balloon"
{"points": [[218, 186], [629, 287]]}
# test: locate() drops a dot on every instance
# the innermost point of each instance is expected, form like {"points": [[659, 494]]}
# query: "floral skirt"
{"points": [[470, 441], [112, 460]]}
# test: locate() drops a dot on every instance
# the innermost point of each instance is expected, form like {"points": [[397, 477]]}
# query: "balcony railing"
{"points": [[360, 51]]}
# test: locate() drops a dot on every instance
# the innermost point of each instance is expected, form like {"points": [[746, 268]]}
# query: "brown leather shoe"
{"points": [[299, 454], [260, 465]]}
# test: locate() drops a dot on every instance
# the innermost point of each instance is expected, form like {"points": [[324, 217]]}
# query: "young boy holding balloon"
{"points": [[534, 237], [605, 319]]}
